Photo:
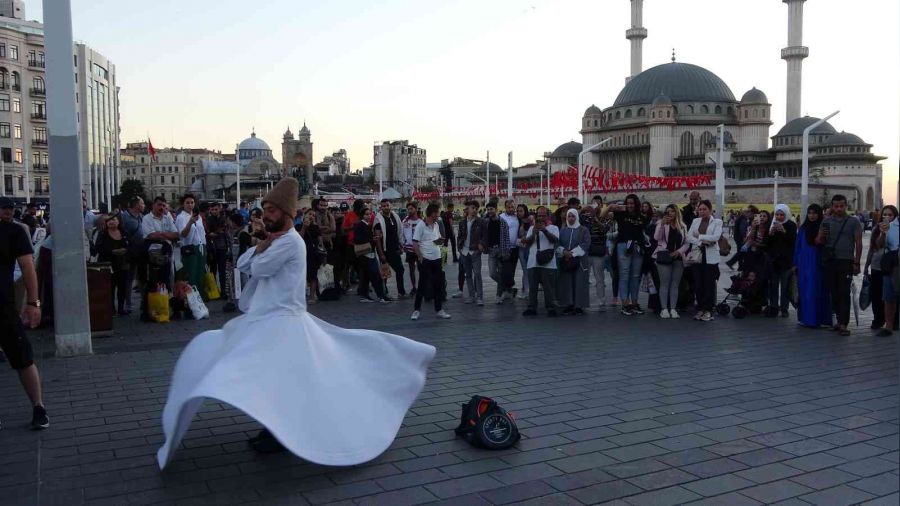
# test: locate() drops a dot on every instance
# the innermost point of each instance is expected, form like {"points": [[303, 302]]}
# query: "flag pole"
{"points": [[237, 158]]}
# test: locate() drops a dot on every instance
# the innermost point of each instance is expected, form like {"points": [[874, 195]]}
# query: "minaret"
{"points": [[636, 34], [794, 54]]}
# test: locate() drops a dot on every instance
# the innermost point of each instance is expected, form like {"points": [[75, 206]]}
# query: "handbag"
{"points": [[196, 305], [694, 256], [362, 249], [325, 276], [865, 295], [724, 246], [158, 305], [888, 261], [664, 257], [572, 263], [828, 251], [543, 257]]}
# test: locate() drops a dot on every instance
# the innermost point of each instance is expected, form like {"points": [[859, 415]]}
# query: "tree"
{"points": [[132, 188]]}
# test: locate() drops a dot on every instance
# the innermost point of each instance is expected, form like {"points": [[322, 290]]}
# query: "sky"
{"points": [[461, 77]]}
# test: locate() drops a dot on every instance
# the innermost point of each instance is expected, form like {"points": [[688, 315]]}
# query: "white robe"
{"points": [[330, 395]]}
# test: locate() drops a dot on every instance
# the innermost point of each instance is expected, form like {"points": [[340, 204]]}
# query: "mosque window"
{"points": [[730, 111], [641, 112], [755, 113], [763, 113], [595, 122], [628, 113], [668, 114], [690, 109], [652, 114], [618, 114], [704, 109], [687, 144], [718, 109], [746, 114]]}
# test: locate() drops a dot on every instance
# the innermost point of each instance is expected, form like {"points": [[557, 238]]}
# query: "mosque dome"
{"points": [[253, 143], [593, 110], [754, 96], [845, 139], [681, 82], [796, 127], [567, 150]]}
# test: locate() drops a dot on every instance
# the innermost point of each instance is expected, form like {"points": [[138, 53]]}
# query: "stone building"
{"points": [[400, 165], [172, 174], [297, 156], [664, 123]]}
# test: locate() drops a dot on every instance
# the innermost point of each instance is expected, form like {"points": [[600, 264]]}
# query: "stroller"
{"points": [[747, 290]]}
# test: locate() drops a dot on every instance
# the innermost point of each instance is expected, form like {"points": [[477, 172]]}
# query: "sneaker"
{"points": [[579, 311], [443, 314], [457, 295], [385, 300], [674, 314], [568, 311], [636, 309], [664, 314], [706, 317], [39, 418], [415, 315], [698, 316], [615, 301], [529, 312], [522, 296], [500, 300], [479, 302], [366, 299], [626, 310]]}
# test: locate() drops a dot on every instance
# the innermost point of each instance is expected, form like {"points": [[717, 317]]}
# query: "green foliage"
{"points": [[131, 188]]}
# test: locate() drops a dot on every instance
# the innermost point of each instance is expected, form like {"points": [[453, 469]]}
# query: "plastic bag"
{"points": [[865, 297], [158, 306], [212, 289], [325, 276], [195, 302]]}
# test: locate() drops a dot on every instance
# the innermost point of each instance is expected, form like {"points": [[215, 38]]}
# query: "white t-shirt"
{"points": [[409, 227], [545, 244], [426, 236], [151, 224], [512, 221], [197, 235]]}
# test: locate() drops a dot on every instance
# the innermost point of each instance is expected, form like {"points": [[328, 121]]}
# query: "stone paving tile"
{"points": [[621, 410]]}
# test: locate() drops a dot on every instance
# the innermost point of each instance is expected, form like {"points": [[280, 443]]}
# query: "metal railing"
{"points": [[39, 115], [38, 92], [35, 63]]}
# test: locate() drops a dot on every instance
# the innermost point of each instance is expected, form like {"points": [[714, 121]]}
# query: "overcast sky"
{"points": [[459, 77]]}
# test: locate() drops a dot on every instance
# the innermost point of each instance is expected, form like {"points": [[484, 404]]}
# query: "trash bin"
{"points": [[99, 278]]}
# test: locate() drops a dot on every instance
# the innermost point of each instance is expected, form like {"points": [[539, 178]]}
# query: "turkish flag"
{"points": [[151, 150]]}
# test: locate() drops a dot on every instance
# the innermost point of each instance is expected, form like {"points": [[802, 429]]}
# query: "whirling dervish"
{"points": [[330, 395]]}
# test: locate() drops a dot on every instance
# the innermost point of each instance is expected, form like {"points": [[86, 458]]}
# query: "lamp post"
{"points": [[804, 174], [487, 175], [237, 158], [509, 179], [720, 171], [775, 195], [581, 166]]}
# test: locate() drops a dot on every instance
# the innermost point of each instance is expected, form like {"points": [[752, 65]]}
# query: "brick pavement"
{"points": [[613, 409]]}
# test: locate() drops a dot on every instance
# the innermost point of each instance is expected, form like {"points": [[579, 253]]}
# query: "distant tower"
{"points": [[297, 154], [794, 54], [636, 34], [12, 9]]}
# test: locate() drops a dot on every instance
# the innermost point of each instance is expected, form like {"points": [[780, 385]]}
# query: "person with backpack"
{"points": [[629, 251], [541, 241], [889, 241], [598, 251]]}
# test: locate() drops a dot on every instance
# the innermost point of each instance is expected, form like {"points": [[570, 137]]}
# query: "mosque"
{"points": [[664, 123]]}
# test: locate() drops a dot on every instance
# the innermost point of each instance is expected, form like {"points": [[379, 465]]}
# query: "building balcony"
{"points": [[39, 142], [37, 92], [40, 166], [40, 116], [36, 63]]}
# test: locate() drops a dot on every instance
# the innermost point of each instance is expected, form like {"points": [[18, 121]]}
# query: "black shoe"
{"points": [[784, 313], [569, 311], [579, 311], [39, 418], [884, 333], [626, 310], [529, 312], [876, 325], [265, 442], [636, 309], [551, 313]]}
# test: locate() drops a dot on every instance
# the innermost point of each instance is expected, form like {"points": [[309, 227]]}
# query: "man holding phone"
{"points": [[427, 242], [841, 236]]}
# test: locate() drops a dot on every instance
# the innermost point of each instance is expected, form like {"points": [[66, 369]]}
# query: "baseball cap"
{"points": [[6, 202]]}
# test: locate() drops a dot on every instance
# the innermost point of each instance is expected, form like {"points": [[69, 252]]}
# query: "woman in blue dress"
{"points": [[815, 304]]}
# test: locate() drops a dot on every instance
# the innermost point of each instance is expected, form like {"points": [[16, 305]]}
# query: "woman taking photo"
{"points": [[112, 247], [364, 246], [779, 246], [598, 252], [873, 271], [671, 245], [629, 251], [704, 237], [193, 244], [815, 304], [574, 266], [889, 242]]}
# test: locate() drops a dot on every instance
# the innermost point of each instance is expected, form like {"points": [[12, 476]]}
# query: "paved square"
{"points": [[633, 410]]}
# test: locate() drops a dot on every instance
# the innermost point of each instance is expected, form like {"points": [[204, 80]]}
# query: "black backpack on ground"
{"points": [[485, 424]]}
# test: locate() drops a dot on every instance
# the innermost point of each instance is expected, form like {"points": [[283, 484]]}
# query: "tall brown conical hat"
{"points": [[284, 196]]}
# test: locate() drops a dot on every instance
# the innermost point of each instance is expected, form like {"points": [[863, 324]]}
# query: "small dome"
{"points": [[754, 96], [661, 99], [567, 150], [845, 139], [796, 127], [494, 167], [253, 143], [288, 134], [593, 110], [304, 130]]}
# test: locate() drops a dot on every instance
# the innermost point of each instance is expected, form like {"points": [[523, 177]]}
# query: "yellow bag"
{"points": [[158, 306], [212, 289]]}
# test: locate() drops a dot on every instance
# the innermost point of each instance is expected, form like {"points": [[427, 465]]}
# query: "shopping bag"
{"points": [[212, 289], [647, 284], [195, 302], [158, 306], [325, 276], [865, 297]]}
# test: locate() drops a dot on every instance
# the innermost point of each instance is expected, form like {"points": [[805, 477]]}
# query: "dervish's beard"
{"points": [[275, 226]]}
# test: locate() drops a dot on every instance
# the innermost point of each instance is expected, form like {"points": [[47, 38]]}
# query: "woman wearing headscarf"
{"points": [[779, 246], [815, 304], [574, 272]]}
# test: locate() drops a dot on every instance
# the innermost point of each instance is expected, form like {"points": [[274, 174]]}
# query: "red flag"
{"points": [[151, 150]]}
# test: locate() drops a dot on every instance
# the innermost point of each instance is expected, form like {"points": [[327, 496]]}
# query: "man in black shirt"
{"points": [[689, 212], [390, 248], [30, 218], [15, 247], [217, 242], [447, 218]]}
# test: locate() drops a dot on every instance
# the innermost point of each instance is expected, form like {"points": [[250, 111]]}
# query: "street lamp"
{"points": [[804, 175], [487, 174], [720, 171], [581, 166]]}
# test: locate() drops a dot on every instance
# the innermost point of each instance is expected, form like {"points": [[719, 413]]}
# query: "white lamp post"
{"points": [[720, 172], [804, 175], [237, 158], [581, 166], [775, 195], [509, 179], [487, 178]]}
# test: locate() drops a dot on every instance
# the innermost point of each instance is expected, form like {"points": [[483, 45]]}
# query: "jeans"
{"points": [[629, 273], [508, 270], [218, 260], [523, 262], [669, 281], [598, 267], [838, 275], [395, 260], [470, 265], [778, 284], [705, 277], [370, 274], [431, 278], [121, 290], [547, 279]]}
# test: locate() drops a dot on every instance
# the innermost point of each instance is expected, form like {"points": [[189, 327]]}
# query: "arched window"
{"points": [[653, 114], [595, 122], [690, 109], [746, 113], [4, 78], [642, 112], [707, 140], [730, 111], [704, 109], [718, 109], [762, 112], [668, 114], [755, 113], [628, 113], [618, 114], [687, 144], [16, 81]]}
